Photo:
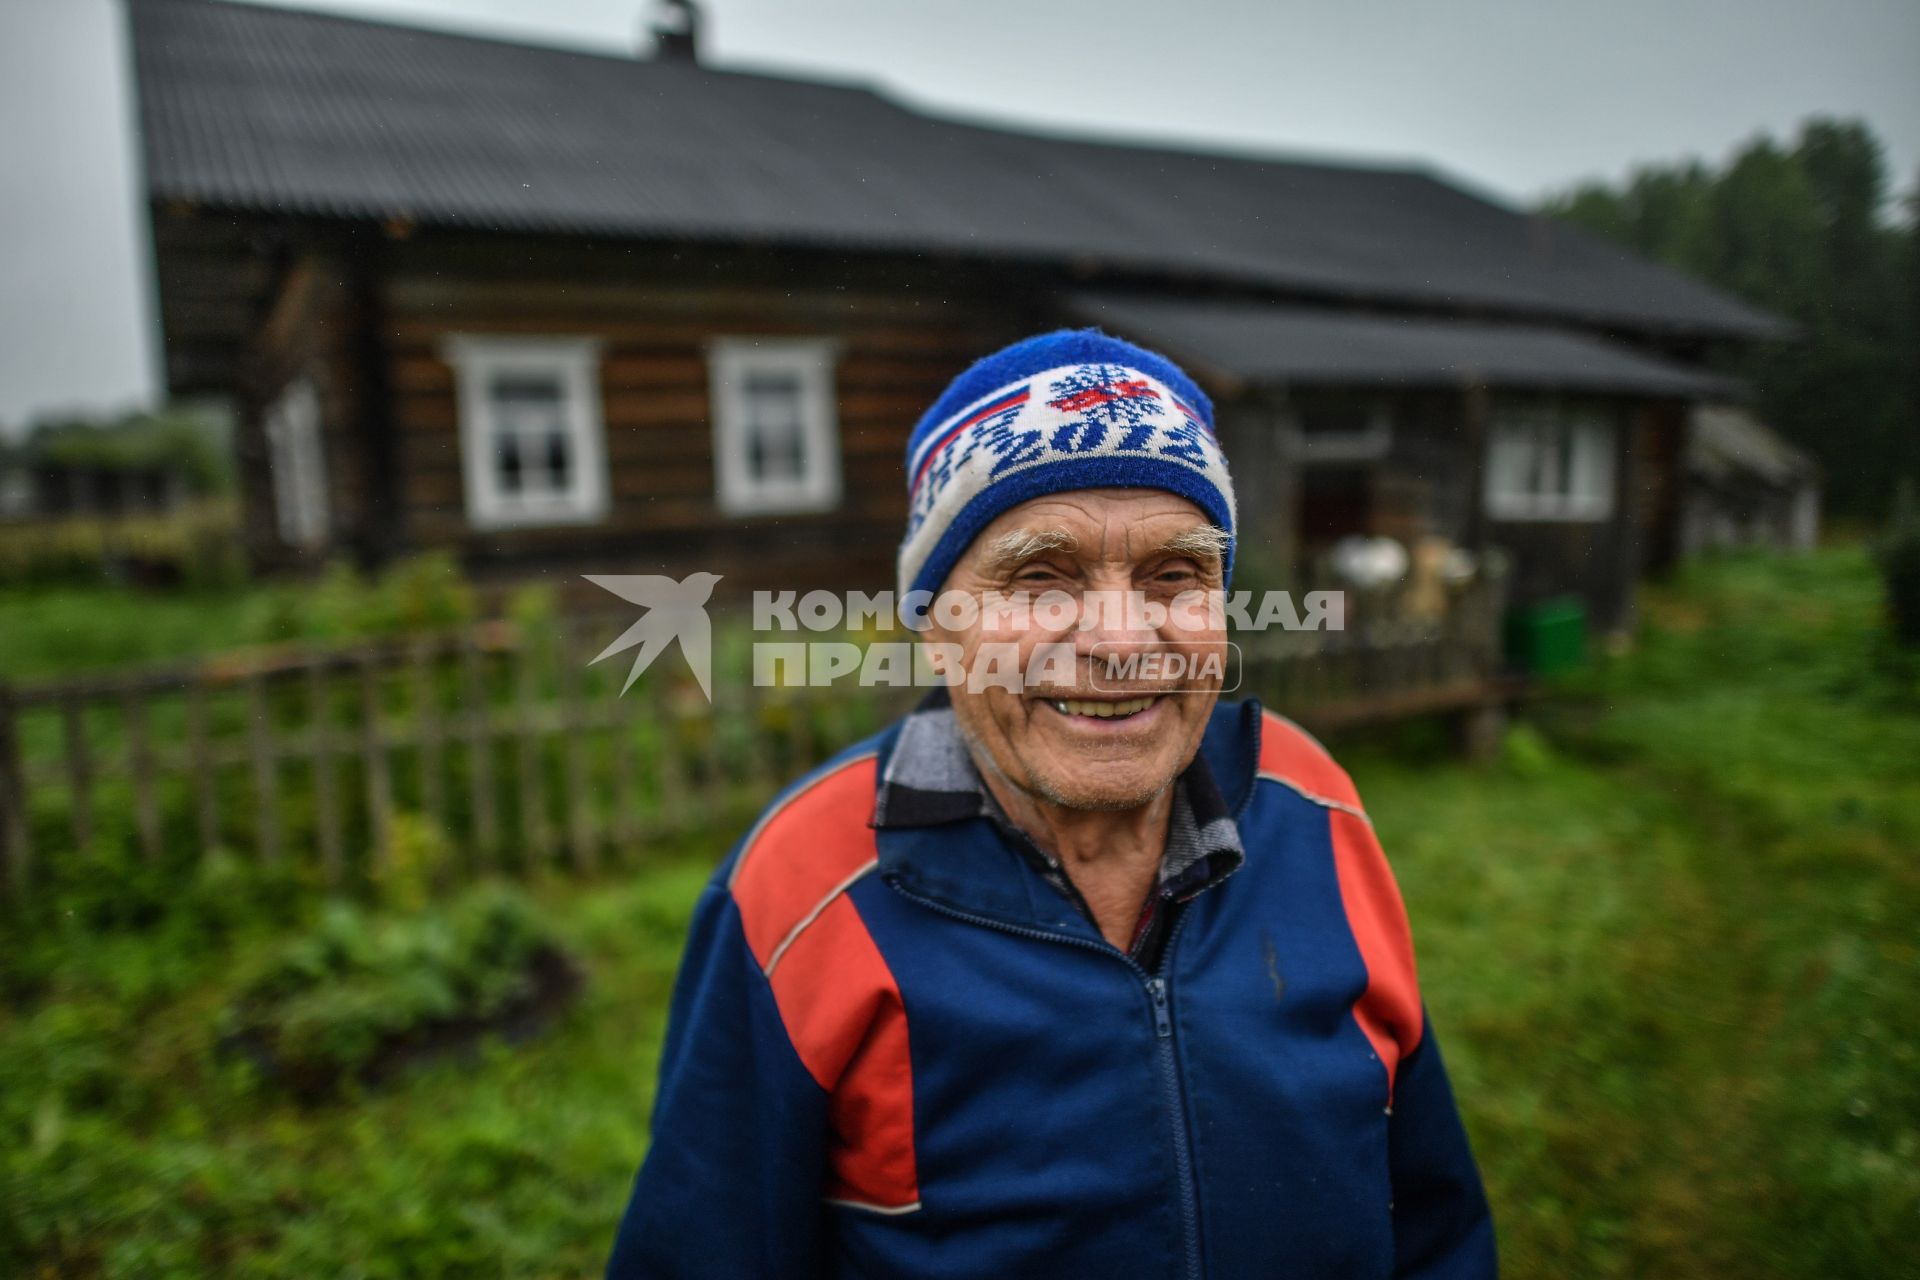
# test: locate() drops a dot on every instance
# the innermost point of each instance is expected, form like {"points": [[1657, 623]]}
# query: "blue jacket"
{"points": [[901, 1053]]}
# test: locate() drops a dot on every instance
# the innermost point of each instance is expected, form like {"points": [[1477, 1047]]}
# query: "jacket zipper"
{"points": [[1156, 992], [1177, 1108]]}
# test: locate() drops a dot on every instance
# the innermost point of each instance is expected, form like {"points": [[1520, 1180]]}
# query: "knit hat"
{"points": [[1073, 409]]}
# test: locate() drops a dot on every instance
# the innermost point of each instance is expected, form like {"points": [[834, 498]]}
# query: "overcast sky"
{"points": [[1514, 99]]}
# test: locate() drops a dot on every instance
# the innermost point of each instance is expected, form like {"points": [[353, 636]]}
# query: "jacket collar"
{"points": [[935, 841]]}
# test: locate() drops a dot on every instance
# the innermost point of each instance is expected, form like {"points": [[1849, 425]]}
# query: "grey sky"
{"points": [[1514, 99]]}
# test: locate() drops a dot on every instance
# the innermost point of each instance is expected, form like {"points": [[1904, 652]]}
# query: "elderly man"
{"points": [[1072, 975]]}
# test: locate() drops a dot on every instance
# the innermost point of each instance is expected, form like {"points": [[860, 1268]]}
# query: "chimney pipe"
{"points": [[676, 31]]}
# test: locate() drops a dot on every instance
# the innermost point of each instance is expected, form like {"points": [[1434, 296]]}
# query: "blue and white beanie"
{"points": [[1073, 409]]}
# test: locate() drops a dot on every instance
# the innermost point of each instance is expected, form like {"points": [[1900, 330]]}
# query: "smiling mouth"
{"points": [[1101, 710]]}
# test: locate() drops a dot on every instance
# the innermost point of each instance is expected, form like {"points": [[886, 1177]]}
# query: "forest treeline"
{"points": [[1810, 230]]}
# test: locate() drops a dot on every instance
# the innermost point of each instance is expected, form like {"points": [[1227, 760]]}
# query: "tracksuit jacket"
{"points": [[902, 1053]]}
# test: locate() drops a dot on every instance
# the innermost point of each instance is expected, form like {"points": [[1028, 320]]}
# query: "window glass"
{"points": [[1545, 462], [776, 434], [298, 465], [775, 438], [530, 433], [531, 430]]}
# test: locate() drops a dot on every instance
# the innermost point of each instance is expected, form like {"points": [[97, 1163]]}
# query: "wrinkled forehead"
{"points": [[1117, 524]]}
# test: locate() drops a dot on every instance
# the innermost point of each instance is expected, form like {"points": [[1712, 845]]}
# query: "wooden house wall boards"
{"points": [[571, 313]]}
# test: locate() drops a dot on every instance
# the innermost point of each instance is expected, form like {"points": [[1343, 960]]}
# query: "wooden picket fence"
{"points": [[508, 751]]}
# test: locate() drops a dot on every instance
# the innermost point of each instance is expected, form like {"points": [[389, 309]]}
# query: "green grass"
{"points": [[56, 631], [1671, 941], [131, 1149], [48, 632]]}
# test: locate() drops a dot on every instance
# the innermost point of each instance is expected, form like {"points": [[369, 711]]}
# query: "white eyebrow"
{"points": [[1023, 544], [1201, 541]]}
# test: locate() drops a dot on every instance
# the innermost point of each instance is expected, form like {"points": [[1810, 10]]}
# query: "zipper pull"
{"points": [[1157, 992]]}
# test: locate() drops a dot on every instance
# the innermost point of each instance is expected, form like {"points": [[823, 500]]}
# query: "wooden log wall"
{"points": [[896, 350], [305, 330]]}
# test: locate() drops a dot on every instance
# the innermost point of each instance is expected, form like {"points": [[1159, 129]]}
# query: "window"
{"points": [[1550, 462], [775, 443], [298, 465], [1342, 430], [531, 437]]}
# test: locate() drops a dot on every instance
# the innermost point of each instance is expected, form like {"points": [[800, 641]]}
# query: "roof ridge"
{"points": [[310, 113], [293, 10], [960, 118]]}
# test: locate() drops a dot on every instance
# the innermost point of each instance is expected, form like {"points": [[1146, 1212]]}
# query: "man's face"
{"points": [[1088, 738]]}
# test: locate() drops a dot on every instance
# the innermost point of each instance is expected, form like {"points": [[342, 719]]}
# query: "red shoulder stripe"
{"points": [[801, 852], [1290, 756], [1389, 1010], [837, 998], [843, 1011]]}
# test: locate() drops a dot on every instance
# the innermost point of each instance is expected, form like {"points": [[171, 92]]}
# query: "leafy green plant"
{"points": [[419, 859], [422, 593], [362, 993], [533, 607], [197, 546], [108, 919], [177, 442]]}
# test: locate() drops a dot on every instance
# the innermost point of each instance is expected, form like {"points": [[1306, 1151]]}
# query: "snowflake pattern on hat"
{"points": [[1093, 424]]}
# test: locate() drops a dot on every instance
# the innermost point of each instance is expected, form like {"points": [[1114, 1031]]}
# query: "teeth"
{"points": [[1100, 710]]}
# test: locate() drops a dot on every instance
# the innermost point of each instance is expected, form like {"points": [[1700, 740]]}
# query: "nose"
{"points": [[1115, 621]]}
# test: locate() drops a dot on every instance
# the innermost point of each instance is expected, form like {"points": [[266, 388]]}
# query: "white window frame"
{"points": [[297, 464], [730, 361], [1370, 443], [1583, 442], [575, 363]]}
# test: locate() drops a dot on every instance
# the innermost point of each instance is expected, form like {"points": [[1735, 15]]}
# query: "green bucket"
{"points": [[1549, 637]]}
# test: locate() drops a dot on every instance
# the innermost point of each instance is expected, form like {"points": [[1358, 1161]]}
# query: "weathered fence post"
{"points": [[79, 769], [429, 733], [479, 735], [206, 777], [146, 805], [15, 856], [669, 768], [379, 782], [626, 794], [760, 767], [320, 738], [582, 836], [266, 769], [535, 831]]}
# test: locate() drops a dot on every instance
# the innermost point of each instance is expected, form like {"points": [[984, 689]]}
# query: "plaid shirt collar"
{"points": [[931, 779]]}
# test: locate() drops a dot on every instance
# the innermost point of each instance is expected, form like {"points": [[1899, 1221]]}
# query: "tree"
{"points": [[1799, 231]]}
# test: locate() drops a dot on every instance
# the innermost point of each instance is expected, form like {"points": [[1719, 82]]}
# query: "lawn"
{"points": [[50, 632], [1671, 939], [1674, 941]]}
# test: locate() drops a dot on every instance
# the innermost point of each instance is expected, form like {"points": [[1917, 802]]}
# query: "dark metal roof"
{"points": [[259, 108], [1261, 343]]}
